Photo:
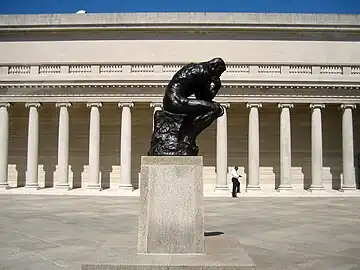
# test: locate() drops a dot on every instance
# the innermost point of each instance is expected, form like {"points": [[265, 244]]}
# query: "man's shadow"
{"points": [[216, 233]]}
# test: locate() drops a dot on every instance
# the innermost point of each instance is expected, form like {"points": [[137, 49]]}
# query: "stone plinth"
{"points": [[222, 252], [171, 205], [171, 223]]}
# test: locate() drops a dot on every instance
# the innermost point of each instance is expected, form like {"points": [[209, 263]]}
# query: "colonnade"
{"points": [[221, 141]]}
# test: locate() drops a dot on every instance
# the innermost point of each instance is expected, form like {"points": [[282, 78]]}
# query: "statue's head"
{"points": [[217, 66]]}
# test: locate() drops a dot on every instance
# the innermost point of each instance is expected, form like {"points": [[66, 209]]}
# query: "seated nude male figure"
{"points": [[195, 78]]}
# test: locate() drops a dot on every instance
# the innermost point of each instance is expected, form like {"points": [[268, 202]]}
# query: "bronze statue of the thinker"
{"points": [[183, 118]]}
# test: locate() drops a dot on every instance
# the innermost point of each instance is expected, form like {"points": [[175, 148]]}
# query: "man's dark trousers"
{"points": [[236, 186]]}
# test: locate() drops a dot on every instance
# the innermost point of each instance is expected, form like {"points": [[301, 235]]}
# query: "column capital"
{"points": [[156, 104], [347, 106], [5, 104], [125, 104], [63, 104], [225, 105], [317, 106], [94, 104], [253, 105], [32, 104], [285, 105]]}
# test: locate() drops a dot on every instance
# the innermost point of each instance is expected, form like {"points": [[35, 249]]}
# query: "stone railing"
{"points": [[163, 72]]}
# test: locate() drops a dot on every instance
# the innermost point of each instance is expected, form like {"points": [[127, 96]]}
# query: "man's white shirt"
{"points": [[234, 174]]}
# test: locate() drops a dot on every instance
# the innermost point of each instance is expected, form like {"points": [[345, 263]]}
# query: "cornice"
{"points": [[184, 20]]}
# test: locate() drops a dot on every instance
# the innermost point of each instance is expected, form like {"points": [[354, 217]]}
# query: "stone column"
{"points": [[253, 141], [349, 182], [157, 107], [4, 142], [94, 146], [285, 147], [221, 152], [33, 146], [316, 147], [125, 145], [63, 146]]}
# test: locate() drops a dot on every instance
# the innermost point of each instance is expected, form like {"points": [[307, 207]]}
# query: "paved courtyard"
{"points": [[57, 232]]}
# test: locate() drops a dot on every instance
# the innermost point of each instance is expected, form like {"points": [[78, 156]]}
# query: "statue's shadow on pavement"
{"points": [[213, 233]]}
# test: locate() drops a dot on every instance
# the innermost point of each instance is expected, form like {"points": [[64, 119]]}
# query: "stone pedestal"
{"points": [[171, 205], [171, 222]]}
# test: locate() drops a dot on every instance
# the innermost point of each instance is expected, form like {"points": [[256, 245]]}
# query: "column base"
{"points": [[253, 188], [4, 186], [221, 189], [316, 188], [93, 187], [32, 186], [348, 189], [285, 188], [63, 186], [127, 188]]}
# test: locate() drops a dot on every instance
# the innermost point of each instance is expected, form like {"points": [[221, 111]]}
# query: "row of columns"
{"points": [[221, 160], [63, 146], [349, 182]]}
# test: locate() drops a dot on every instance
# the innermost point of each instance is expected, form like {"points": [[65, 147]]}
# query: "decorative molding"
{"points": [[49, 69], [254, 105], [337, 70], [140, 68], [137, 84], [285, 105], [317, 106], [63, 104], [156, 104], [80, 68], [19, 70], [295, 69], [238, 69], [225, 105], [32, 104], [94, 104], [347, 106], [273, 69], [125, 104], [110, 69], [5, 104]]}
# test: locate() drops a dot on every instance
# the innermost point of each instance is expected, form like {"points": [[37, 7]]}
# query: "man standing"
{"points": [[235, 180]]}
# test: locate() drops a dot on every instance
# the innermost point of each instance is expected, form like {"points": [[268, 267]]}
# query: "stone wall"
{"points": [[141, 131]]}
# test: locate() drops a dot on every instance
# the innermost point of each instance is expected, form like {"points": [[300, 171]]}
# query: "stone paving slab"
{"points": [[63, 232]]}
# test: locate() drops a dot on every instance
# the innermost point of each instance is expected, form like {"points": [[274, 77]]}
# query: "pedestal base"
{"points": [[221, 189], [93, 187], [4, 186], [126, 188], [63, 186], [253, 188], [284, 188], [349, 189], [220, 253], [32, 186], [316, 188]]}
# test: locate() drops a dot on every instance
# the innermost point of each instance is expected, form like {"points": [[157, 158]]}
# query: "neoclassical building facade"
{"points": [[78, 93]]}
